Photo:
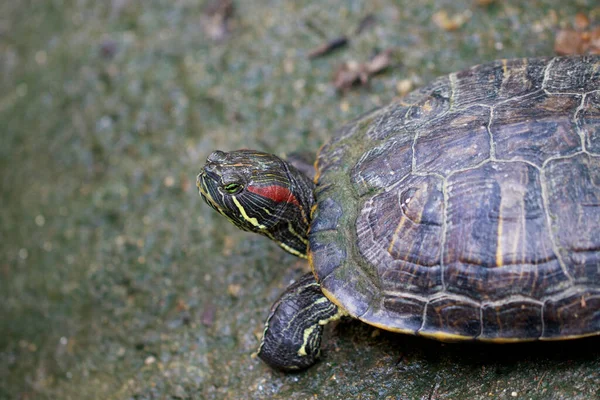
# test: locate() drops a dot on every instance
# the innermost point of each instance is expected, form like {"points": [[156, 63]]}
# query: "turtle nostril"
{"points": [[210, 167], [212, 171], [217, 156]]}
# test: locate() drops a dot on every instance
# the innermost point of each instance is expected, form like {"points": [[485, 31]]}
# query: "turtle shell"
{"points": [[469, 209]]}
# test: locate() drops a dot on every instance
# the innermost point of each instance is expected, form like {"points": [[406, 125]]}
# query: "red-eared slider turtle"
{"points": [[469, 209]]}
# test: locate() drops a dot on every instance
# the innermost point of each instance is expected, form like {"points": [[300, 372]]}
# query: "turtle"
{"points": [[467, 210]]}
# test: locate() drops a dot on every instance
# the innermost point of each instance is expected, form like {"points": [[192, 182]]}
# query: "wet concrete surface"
{"points": [[116, 281]]}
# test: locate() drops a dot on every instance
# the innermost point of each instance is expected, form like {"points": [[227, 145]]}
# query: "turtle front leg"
{"points": [[292, 337]]}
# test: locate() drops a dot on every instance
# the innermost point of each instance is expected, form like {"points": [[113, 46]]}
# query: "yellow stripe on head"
{"points": [[252, 220]]}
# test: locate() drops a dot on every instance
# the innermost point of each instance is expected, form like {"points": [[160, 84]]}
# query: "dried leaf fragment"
{"points": [[328, 47], [581, 21], [351, 72], [580, 40], [348, 74], [570, 41], [367, 22], [380, 62], [216, 19], [595, 41]]}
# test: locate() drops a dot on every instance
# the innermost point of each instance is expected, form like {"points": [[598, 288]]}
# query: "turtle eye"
{"points": [[232, 188]]}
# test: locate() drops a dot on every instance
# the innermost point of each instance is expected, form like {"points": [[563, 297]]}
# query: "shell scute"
{"points": [[573, 190], [492, 83], [590, 122], [536, 128], [519, 318], [573, 75], [573, 315], [400, 234], [455, 141], [416, 108], [452, 315], [395, 157]]}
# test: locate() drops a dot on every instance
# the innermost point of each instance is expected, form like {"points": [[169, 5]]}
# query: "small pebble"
{"points": [[344, 106], [208, 315], [108, 48], [169, 181], [41, 57], [150, 360], [404, 86], [234, 289], [40, 220]]}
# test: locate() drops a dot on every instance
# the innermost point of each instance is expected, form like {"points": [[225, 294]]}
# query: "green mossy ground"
{"points": [[117, 282]]}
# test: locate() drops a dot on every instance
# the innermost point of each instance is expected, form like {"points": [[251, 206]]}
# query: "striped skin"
{"points": [[471, 208], [292, 337], [270, 196]]}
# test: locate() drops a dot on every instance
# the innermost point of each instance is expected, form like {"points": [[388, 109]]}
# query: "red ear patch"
{"points": [[275, 192]]}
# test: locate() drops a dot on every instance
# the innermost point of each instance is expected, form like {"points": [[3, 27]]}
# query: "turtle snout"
{"points": [[215, 163]]}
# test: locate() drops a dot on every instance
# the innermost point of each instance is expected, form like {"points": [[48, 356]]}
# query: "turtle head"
{"points": [[259, 192]]}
